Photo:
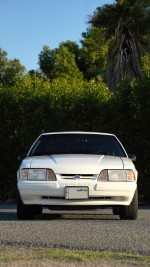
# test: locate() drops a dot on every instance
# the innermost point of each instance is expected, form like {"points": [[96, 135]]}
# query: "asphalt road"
{"points": [[100, 232]]}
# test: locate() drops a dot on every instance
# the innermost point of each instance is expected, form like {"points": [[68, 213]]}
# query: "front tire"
{"points": [[24, 212], [115, 210], [130, 212]]}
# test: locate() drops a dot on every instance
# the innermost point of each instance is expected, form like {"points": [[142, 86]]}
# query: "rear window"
{"points": [[77, 144]]}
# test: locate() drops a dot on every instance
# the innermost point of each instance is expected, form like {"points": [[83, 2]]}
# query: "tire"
{"points": [[24, 212], [37, 209], [130, 212], [115, 210]]}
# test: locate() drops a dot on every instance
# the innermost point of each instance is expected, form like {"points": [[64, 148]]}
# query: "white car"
{"points": [[75, 171]]}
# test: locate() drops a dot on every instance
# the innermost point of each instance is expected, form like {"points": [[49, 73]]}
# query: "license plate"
{"points": [[76, 192]]}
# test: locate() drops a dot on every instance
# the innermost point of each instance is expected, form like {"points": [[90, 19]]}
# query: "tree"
{"points": [[59, 62], [65, 64], [127, 24], [73, 48], [47, 61], [93, 53], [10, 70]]}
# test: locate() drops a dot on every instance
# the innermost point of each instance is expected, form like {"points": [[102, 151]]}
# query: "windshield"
{"points": [[72, 143]]}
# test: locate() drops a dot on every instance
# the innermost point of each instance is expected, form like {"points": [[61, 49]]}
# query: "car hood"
{"points": [[76, 164]]}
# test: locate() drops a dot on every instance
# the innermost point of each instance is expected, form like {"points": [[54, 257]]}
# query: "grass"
{"points": [[15, 257]]}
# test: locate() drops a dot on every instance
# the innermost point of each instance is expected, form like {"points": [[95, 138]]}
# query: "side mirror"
{"points": [[21, 157], [132, 157]]}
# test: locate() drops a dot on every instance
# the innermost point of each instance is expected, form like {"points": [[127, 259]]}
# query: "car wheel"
{"points": [[115, 210], [37, 209], [24, 212], [130, 212]]}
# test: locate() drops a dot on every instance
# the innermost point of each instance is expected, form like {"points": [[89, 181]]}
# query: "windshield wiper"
{"points": [[48, 153], [101, 153]]}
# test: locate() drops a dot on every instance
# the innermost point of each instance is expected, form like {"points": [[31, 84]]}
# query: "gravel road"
{"points": [[104, 232]]}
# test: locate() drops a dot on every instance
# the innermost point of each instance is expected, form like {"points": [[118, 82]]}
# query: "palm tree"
{"points": [[126, 23]]}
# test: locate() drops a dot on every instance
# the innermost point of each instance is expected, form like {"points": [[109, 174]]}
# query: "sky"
{"points": [[28, 25]]}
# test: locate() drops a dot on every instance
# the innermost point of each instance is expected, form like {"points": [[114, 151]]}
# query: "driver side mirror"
{"points": [[21, 157]]}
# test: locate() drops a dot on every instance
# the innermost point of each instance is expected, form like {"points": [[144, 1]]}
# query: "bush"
{"points": [[34, 106]]}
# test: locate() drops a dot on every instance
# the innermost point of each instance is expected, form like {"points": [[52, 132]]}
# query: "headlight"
{"points": [[37, 175], [117, 176]]}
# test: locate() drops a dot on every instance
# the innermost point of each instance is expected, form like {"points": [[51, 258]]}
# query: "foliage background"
{"points": [[34, 105]]}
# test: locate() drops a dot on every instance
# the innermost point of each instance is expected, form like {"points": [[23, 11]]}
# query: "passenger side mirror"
{"points": [[132, 157]]}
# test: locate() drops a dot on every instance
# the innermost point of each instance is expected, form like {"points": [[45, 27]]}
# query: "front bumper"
{"points": [[53, 193]]}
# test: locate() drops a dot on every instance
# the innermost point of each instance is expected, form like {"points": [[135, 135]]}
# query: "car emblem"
{"points": [[77, 177]]}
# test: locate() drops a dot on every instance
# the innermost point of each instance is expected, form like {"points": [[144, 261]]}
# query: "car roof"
{"points": [[77, 132]]}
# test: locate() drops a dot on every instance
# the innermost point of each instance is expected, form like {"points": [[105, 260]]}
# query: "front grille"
{"points": [[78, 176]]}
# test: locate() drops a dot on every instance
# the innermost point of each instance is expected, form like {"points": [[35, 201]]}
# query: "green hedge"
{"points": [[34, 106]]}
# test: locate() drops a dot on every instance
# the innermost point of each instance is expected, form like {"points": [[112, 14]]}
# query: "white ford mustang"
{"points": [[77, 170]]}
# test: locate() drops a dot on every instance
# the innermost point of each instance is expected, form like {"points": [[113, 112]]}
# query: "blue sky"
{"points": [[28, 25]]}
